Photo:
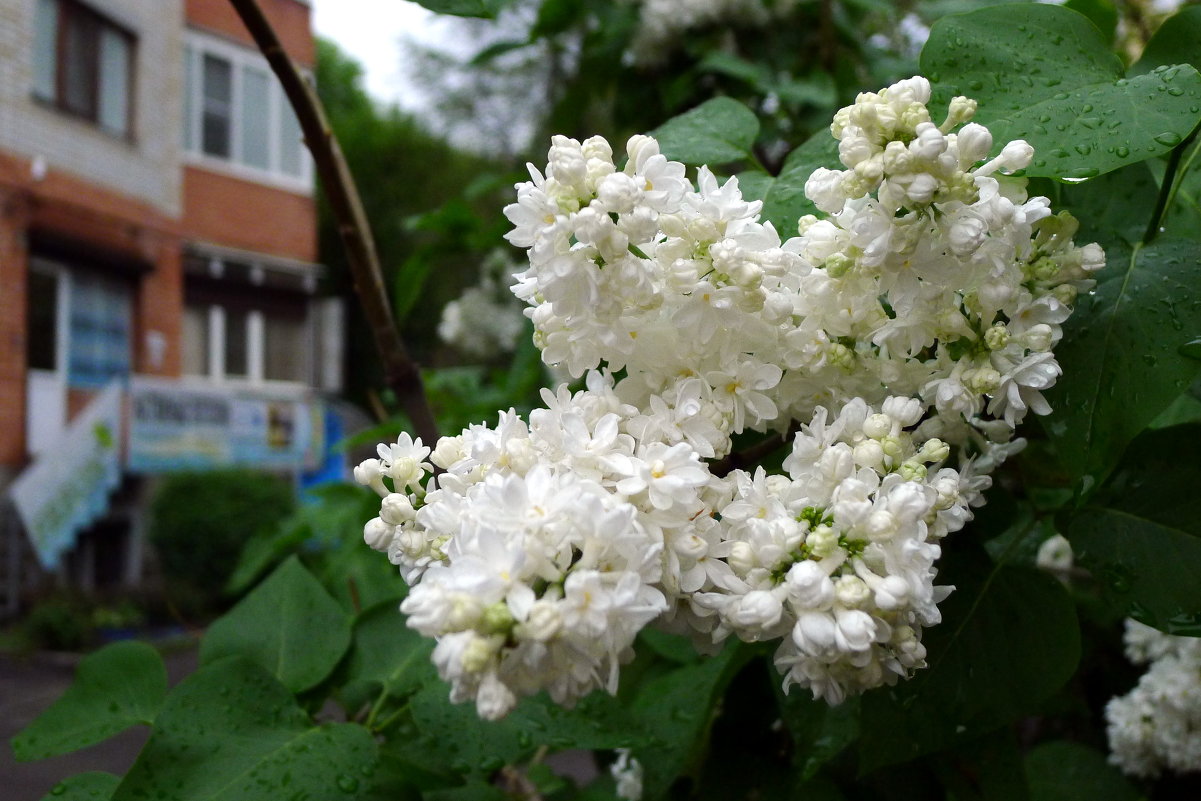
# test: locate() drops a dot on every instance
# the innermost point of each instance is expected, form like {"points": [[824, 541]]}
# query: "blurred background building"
{"points": [[159, 305]]}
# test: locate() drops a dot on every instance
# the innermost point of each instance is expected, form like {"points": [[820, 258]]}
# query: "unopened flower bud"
{"points": [[959, 110], [479, 653], [822, 541], [1092, 257], [1039, 338], [448, 451], [996, 337], [497, 619], [894, 449], [808, 586], [837, 264], [869, 454], [934, 450], [982, 381], [974, 142], [1065, 294], [542, 622], [851, 591], [880, 525], [368, 474], [378, 534], [741, 558], [877, 426], [841, 356], [758, 609], [397, 509], [464, 612]]}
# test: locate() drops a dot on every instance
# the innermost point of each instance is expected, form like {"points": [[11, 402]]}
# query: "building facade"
{"points": [[158, 265]]}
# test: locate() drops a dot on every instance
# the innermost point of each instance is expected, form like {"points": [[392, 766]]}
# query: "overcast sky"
{"points": [[369, 30]]}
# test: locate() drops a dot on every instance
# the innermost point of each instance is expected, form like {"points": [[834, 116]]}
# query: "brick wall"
{"points": [[146, 166], [289, 18], [241, 214], [14, 214]]}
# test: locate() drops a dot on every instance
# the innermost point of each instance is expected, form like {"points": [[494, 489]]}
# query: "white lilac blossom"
{"points": [[663, 23], [627, 774], [485, 320], [903, 337], [1157, 725]]}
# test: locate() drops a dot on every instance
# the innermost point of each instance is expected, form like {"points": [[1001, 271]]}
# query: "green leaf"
{"points": [[556, 16], [91, 786], [1043, 73], [1104, 205], [819, 731], [115, 688], [1174, 43], [1009, 639], [673, 647], [675, 709], [988, 768], [478, 790], [1185, 409], [1101, 13], [718, 131], [1120, 353], [230, 730], [1067, 771], [387, 651], [784, 202], [1139, 537], [408, 283], [464, 8], [452, 736], [289, 625], [1148, 566]]}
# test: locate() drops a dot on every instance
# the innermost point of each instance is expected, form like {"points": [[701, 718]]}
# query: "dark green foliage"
{"points": [[201, 521]]}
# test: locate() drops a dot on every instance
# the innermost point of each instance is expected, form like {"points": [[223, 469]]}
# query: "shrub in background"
{"points": [[199, 523]]}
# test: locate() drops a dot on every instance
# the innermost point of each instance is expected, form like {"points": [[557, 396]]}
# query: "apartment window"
{"points": [[83, 64], [237, 116], [254, 343]]}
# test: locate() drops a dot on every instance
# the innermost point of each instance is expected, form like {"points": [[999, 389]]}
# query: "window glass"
{"points": [[286, 348], [217, 107], [82, 63], [114, 81], [81, 42], [256, 108], [235, 109], [195, 343], [189, 74], [42, 342], [291, 149], [237, 345], [99, 341], [45, 49]]}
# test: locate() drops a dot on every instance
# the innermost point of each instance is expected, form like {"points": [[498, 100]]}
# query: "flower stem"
{"points": [[1167, 189], [400, 370]]}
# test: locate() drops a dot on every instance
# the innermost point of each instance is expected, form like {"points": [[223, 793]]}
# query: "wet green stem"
{"points": [[1167, 189]]}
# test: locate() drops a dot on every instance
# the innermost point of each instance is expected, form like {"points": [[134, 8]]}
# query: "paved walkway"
{"points": [[27, 686]]}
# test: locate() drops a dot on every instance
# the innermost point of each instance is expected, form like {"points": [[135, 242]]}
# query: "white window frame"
{"points": [[197, 46], [255, 352]]}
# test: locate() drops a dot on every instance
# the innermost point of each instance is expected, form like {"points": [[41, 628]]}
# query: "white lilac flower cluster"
{"points": [[663, 23], [486, 319], [1157, 725], [900, 341]]}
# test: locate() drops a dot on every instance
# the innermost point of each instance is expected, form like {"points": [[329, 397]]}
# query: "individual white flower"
{"points": [[1055, 554], [1157, 725], [627, 772]]}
